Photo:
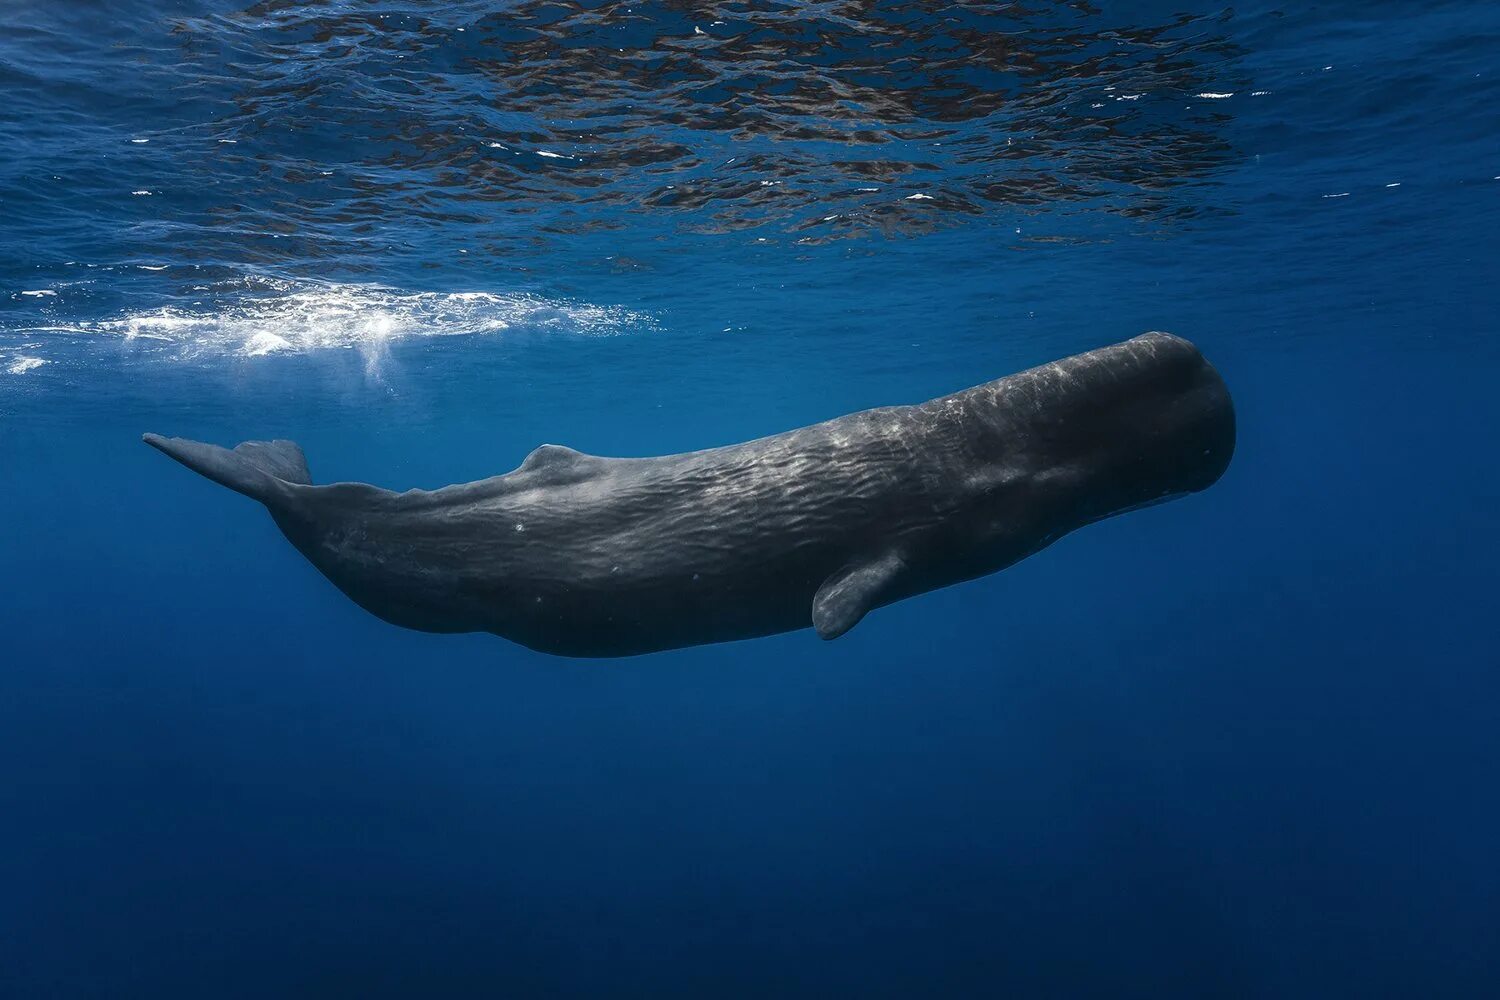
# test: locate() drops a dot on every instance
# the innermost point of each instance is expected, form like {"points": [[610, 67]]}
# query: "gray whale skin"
{"points": [[583, 556]]}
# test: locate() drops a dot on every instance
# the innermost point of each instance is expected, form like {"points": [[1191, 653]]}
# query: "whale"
{"points": [[584, 556]]}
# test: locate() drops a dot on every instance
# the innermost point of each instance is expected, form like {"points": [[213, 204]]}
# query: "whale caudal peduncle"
{"points": [[254, 468]]}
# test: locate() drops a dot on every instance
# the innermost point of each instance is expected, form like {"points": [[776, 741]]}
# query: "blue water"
{"points": [[1245, 744]]}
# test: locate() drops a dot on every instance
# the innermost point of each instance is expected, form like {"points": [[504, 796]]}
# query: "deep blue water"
{"points": [[1245, 744]]}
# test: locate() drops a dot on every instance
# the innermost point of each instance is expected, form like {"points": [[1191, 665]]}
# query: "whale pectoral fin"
{"points": [[849, 594]]}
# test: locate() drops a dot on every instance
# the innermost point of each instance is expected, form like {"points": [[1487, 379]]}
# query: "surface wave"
{"points": [[260, 316]]}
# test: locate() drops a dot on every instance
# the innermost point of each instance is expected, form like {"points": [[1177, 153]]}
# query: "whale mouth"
{"points": [[1148, 503]]}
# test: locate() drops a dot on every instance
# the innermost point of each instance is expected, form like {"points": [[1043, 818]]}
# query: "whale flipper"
{"points": [[258, 469], [849, 594]]}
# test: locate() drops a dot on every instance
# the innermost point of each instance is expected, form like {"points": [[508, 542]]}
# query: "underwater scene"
{"points": [[854, 498]]}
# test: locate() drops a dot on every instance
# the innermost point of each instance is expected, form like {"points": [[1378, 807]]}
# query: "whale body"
{"points": [[578, 555]]}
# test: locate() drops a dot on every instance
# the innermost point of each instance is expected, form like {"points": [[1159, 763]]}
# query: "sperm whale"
{"points": [[577, 555]]}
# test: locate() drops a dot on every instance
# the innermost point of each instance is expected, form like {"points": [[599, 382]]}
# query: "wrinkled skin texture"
{"points": [[584, 556]]}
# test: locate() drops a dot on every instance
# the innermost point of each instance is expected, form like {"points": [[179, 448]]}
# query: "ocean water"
{"points": [[1245, 744]]}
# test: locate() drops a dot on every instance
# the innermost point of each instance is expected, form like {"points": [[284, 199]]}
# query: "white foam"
{"points": [[259, 317], [22, 364], [1210, 95], [264, 343]]}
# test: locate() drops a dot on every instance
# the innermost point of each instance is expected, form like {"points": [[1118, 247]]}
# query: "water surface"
{"points": [[1243, 744]]}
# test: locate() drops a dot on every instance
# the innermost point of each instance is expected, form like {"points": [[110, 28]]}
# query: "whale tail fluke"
{"points": [[260, 470]]}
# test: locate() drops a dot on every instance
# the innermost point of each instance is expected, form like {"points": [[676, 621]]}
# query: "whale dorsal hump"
{"points": [[848, 594], [557, 458]]}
